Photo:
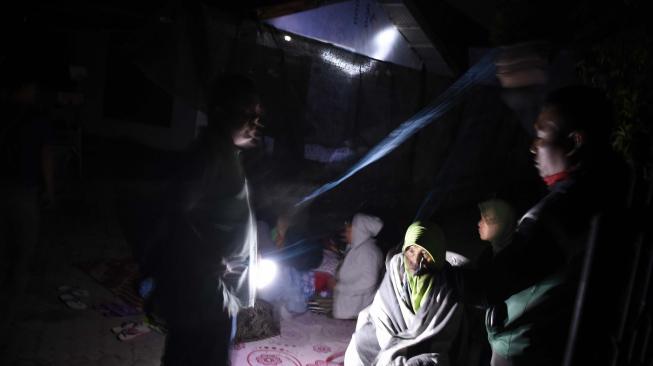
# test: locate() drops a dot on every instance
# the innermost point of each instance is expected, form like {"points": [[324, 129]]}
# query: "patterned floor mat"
{"points": [[307, 340]]}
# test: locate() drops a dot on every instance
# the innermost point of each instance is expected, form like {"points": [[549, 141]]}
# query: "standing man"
{"points": [[204, 273], [533, 281], [26, 175]]}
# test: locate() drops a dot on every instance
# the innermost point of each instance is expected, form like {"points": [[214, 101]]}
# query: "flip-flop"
{"points": [[76, 304], [133, 332], [156, 326], [159, 328], [72, 302], [76, 290], [122, 327], [64, 288], [80, 292], [67, 297]]}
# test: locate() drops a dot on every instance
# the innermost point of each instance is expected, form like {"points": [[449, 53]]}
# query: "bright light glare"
{"points": [[287, 38], [265, 273], [383, 42], [350, 68]]}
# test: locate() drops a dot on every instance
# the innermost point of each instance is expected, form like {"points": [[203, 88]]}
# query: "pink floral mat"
{"points": [[307, 340]]}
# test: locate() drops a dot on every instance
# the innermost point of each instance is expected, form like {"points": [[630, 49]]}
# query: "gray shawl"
{"points": [[389, 333]]}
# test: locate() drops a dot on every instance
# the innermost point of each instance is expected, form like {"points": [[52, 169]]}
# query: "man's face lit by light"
{"points": [[264, 273], [548, 147], [248, 135]]}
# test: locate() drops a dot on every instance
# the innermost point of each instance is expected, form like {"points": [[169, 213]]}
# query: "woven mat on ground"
{"points": [[308, 340], [118, 275], [257, 323]]}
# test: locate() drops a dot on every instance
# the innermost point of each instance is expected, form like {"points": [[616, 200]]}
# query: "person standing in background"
{"points": [[204, 274]]}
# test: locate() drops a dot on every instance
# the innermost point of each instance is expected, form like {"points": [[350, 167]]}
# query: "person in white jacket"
{"points": [[358, 276]]}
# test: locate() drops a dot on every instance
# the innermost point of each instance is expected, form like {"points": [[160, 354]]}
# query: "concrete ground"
{"points": [[45, 331]]}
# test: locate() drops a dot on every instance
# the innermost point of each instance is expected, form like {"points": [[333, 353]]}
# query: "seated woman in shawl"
{"points": [[415, 318]]}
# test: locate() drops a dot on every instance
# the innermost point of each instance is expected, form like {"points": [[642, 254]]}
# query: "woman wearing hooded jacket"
{"points": [[358, 275]]}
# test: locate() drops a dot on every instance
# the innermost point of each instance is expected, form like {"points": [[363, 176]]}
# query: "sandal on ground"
{"points": [[70, 295], [75, 290], [133, 332], [72, 302], [119, 329], [80, 292]]}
